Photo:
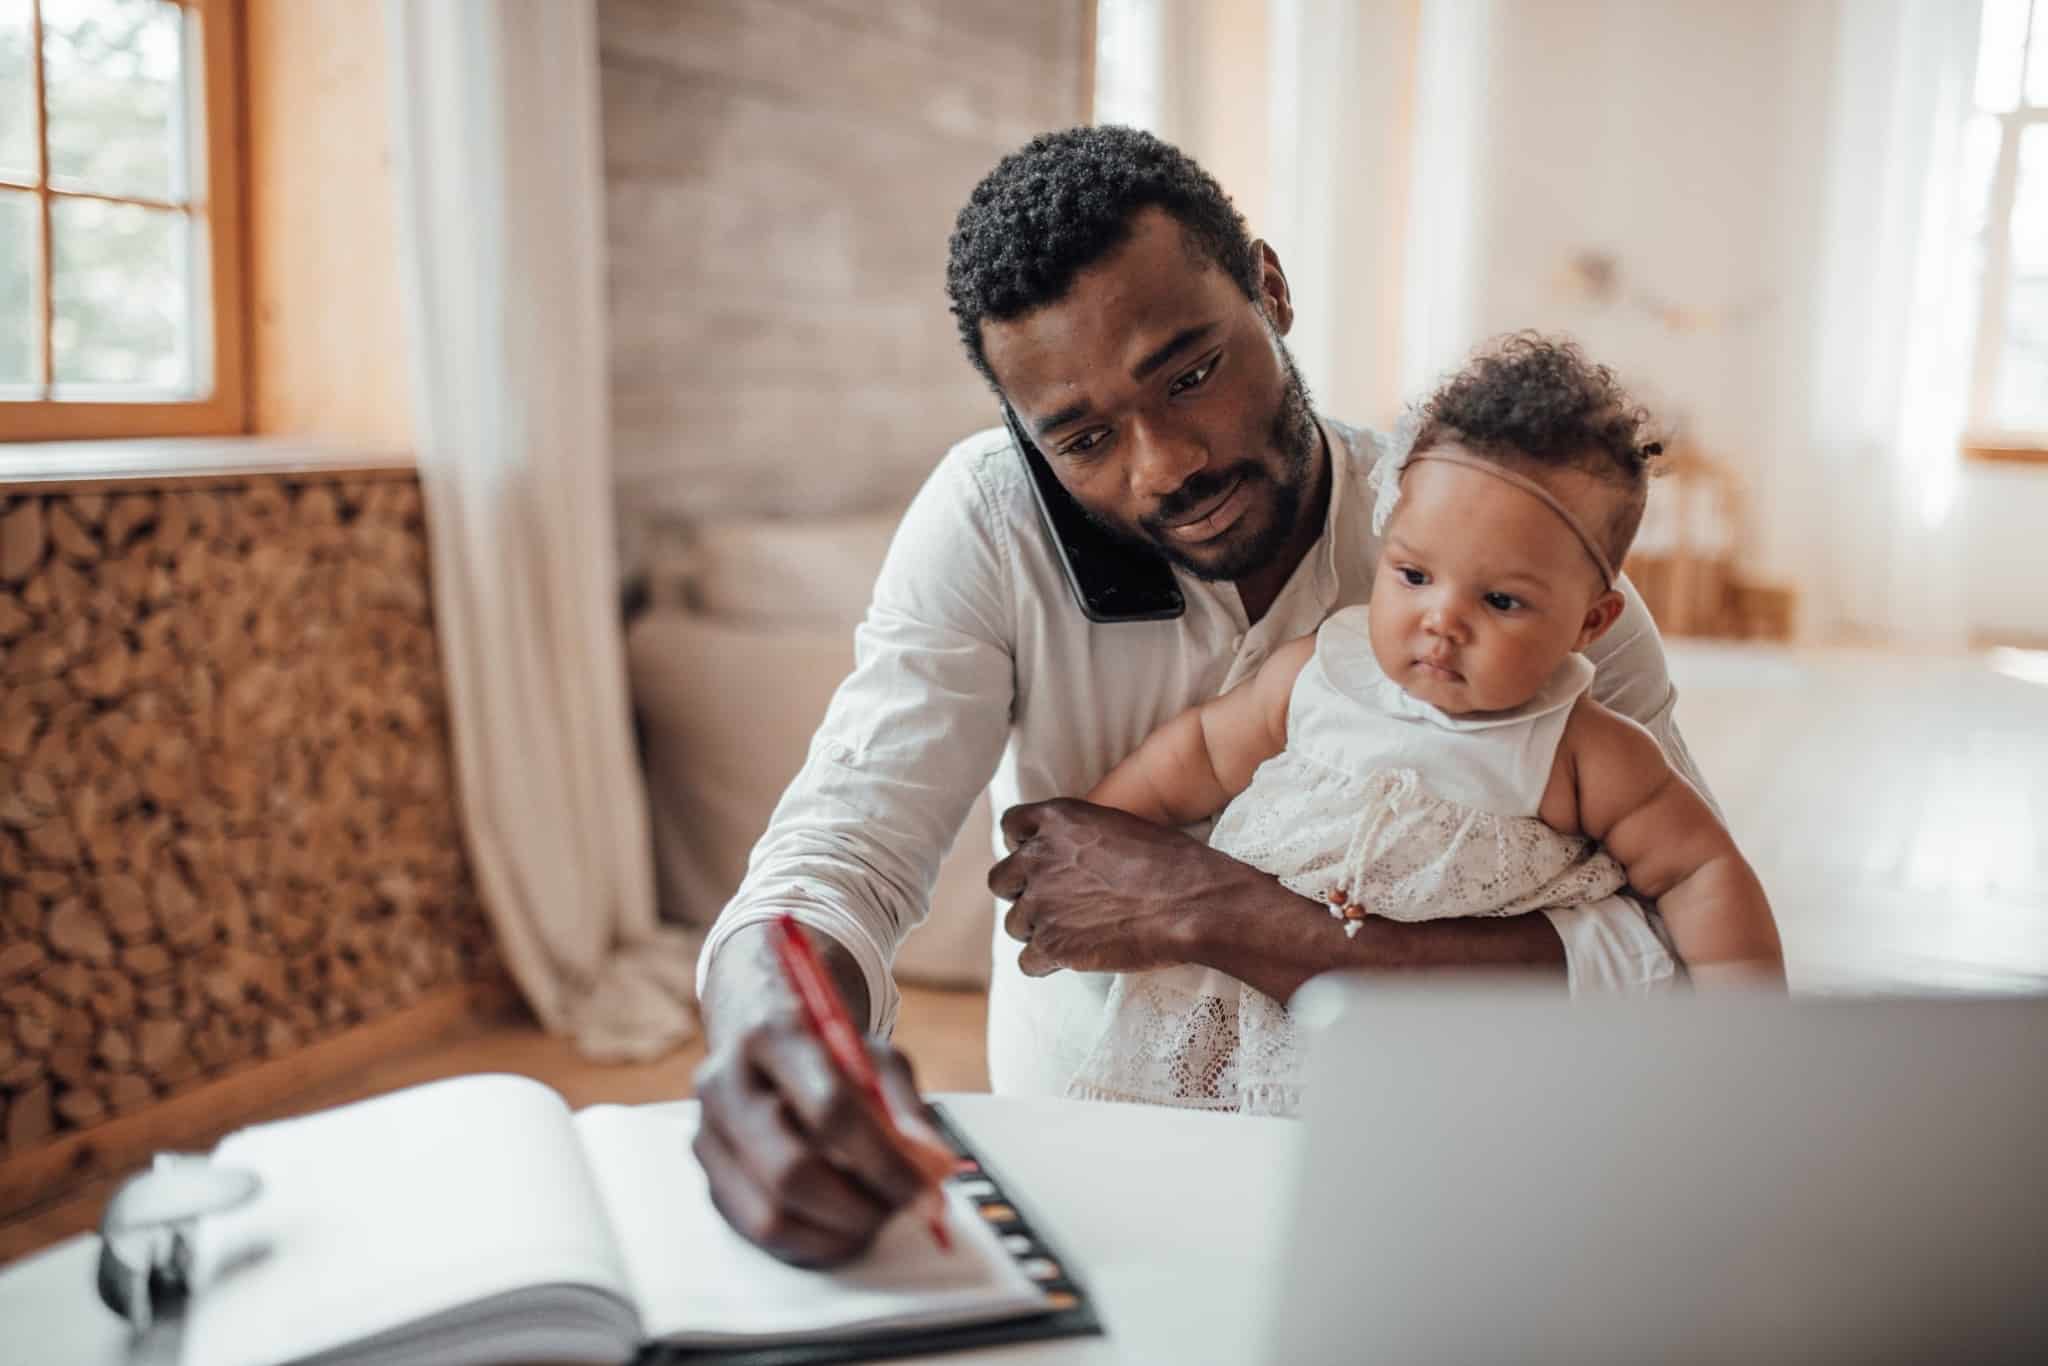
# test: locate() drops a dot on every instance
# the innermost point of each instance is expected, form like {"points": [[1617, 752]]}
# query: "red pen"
{"points": [[825, 1015]]}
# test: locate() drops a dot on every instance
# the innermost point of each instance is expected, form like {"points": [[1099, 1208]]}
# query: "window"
{"points": [[2006, 159], [120, 257]]}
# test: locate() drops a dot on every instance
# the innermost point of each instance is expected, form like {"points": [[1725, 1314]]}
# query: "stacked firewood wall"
{"points": [[227, 812]]}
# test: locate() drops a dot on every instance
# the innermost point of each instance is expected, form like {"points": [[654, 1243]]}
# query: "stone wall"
{"points": [[781, 177], [227, 812]]}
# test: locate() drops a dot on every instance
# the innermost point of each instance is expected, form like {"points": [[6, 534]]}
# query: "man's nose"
{"points": [[1163, 458]]}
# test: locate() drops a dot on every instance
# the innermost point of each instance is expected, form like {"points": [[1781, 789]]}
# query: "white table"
{"points": [[1170, 1217]]}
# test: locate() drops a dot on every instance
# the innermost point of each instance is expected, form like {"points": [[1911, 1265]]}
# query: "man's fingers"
{"points": [[1006, 879], [1017, 921], [749, 1209], [899, 1079], [795, 1173], [1020, 822], [837, 1121], [907, 1108], [1035, 962]]}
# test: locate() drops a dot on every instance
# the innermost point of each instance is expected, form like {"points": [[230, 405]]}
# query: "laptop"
{"points": [[1498, 1174]]}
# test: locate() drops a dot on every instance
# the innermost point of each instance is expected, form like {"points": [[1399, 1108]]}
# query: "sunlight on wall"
{"points": [[1129, 55], [2029, 666]]}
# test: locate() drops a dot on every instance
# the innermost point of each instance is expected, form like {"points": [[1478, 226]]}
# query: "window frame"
{"points": [[219, 205], [1984, 440]]}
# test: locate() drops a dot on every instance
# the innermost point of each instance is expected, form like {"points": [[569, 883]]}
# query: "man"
{"points": [[1110, 294]]}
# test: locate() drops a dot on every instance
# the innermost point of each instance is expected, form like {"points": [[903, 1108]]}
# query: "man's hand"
{"points": [[798, 1161], [1098, 890]]}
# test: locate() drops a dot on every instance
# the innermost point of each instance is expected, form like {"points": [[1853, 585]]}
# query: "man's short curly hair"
{"points": [[1528, 397], [1063, 202]]}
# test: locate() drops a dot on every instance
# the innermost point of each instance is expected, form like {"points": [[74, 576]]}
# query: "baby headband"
{"points": [[1398, 453]]}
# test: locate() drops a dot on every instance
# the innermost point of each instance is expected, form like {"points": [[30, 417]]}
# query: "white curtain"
{"points": [[1894, 318], [1447, 193], [499, 170]]}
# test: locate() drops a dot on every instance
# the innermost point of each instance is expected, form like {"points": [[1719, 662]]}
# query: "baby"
{"points": [[1434, 752]]}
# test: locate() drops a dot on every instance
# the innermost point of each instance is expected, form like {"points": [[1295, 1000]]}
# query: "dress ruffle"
{"points": [[1193, 1037]]}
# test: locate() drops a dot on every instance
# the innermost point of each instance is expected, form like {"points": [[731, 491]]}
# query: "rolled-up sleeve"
{"points": [[1616, 947], [910, 739]]}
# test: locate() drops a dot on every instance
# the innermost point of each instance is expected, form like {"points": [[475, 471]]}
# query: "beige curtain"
{"points": [[498, 166]]}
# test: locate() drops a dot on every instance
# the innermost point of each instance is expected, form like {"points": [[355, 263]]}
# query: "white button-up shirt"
{"points": [[976, 667]]}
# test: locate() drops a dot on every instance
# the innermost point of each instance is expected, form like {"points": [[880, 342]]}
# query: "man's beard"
{"points": [[1292, 433]]}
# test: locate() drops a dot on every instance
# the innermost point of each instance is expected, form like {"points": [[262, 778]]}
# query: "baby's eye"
{"points": [[1502, 602], [1412, 576], [1193, 379]]}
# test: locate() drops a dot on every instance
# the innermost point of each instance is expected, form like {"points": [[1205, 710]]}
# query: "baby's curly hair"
{"points": [[1536, 398], [1064, 201]]}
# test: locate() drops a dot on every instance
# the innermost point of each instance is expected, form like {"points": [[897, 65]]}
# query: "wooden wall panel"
{"points": [[781, 177]]}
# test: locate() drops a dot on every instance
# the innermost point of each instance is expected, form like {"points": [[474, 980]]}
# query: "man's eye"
{"points": [[1195, 378], [1502, 602], [1412, 576], [1084, 443]]}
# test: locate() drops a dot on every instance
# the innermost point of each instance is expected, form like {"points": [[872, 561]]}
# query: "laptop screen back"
{"points": [[1491, 1175]]}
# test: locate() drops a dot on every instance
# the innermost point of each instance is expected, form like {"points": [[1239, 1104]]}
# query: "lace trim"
{"points": [[1379, 845]]}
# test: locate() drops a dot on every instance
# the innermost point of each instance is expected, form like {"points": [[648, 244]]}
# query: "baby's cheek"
{"points": [[1517, 674]]}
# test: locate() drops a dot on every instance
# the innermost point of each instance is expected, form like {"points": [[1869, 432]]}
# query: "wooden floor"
{"points": [[1896, 809]]}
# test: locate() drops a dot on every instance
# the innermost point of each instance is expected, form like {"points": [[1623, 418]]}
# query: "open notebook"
{"points": [[478, 1220]]}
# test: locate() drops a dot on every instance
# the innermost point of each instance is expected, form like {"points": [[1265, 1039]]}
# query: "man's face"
{"points": [[1166, 403]]}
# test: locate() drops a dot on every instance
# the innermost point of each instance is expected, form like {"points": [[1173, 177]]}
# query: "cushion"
{"points": [[812, 571], [726, 711]]}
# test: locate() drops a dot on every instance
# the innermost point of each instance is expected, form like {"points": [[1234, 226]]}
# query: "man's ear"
{"points": [[1274, 299], [1599, 617]]}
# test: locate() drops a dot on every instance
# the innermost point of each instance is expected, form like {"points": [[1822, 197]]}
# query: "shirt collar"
{"points": [[1339, 521]]}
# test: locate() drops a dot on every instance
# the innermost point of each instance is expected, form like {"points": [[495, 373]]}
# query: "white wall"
{"points": [[1685, 140], [1689, 139], [1436, 164], [1241, 80]]}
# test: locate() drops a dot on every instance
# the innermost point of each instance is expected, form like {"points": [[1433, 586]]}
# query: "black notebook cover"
{"points": [[998, 1202]]}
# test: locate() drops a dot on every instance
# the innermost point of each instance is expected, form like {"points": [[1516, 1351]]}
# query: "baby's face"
{"points": [[1481, 590]]}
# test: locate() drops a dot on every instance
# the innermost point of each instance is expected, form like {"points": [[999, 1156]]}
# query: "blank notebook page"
{"points": [[697, 1281], [394, 1209]]}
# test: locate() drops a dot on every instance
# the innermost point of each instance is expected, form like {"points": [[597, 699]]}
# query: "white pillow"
{"points": [[813, 571], [726, 713]]}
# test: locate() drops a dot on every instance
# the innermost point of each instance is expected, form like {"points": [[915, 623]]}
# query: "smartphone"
{"points": [[1112, 580]]}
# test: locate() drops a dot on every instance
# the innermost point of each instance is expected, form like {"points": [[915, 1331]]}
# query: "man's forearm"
{"points": [[745, 986], [1274, 940]]}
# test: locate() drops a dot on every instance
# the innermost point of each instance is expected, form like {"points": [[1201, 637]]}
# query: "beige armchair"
{"points": [[747, 632]]}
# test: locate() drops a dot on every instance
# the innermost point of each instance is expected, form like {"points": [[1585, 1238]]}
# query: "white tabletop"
{"points": [[1168, 1215]]}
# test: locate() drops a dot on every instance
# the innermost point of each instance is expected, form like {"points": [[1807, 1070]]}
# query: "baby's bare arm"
{"points": [[1194, 764], [1675, 850]]}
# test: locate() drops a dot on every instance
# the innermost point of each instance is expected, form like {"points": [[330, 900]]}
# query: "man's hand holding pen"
{"points": [[800, 1157]]}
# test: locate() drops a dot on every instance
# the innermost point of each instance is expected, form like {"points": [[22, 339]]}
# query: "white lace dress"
{"points": [[1380, 802]]}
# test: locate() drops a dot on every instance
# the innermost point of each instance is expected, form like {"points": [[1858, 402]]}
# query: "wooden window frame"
{"points": [[219, 207], [1984, 441]]}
